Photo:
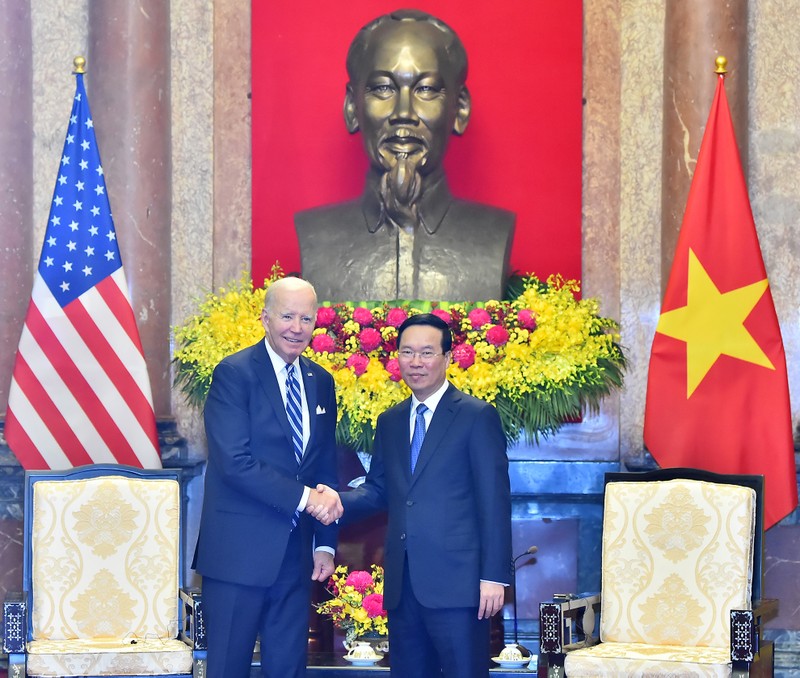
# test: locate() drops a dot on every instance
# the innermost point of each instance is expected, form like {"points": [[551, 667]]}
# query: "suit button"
{"points": [[403, 537], [409, 503]]}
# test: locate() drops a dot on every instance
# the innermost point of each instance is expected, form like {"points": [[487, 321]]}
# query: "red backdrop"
{"points": [[521, 150]]}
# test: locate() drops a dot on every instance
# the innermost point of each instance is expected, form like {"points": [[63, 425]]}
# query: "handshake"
{"points": [[324, 504]]}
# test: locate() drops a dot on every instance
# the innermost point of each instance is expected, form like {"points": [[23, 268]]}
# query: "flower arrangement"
{"points": [[540, 358], [357, 603]]}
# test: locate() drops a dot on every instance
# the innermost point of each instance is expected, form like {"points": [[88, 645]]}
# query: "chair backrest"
{"points": [[678, 555], [103, 553]]}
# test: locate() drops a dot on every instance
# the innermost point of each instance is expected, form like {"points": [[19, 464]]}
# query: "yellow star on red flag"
{"points": [[712, 324]]}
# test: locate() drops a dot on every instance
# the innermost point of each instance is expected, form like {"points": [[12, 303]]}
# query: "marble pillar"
{"points": [[128, 79], [695, 33], [16, 177]]}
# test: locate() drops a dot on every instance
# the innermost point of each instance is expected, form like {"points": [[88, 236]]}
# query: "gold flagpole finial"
{"points": [[722, 65], [79, 63]]}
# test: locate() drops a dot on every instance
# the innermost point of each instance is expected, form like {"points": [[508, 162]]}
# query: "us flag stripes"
{"points": [[80, 393]]}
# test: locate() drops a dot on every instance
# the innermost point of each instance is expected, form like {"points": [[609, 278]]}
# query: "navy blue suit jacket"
{"points": [[253, 483], [452, 518]]}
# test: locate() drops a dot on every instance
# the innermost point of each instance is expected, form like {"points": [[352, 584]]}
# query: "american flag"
{"points": [[80, 393]]}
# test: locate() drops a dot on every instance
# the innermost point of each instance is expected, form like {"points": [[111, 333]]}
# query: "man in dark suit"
{"points": [[448, 542], [264, 463]]}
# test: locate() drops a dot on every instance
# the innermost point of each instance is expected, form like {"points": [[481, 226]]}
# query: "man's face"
{"points": [[423, 376], [406, 97], [289, 322]]}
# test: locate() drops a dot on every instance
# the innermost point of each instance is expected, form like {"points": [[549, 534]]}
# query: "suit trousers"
{"points": [[237, 614], [427, 642]]}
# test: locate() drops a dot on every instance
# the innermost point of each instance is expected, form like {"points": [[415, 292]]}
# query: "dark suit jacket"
{"points": [[453, 517], [253, 483]]}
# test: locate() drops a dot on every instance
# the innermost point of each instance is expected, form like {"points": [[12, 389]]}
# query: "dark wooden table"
{"points": [[326, 665]]}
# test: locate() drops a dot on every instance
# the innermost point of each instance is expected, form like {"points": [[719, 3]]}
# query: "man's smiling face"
{"points": [[289, 321]]}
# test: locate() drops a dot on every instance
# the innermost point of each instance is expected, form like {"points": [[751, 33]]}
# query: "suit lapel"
{"points": [[442, 419], [262, 366], [312, 400]]}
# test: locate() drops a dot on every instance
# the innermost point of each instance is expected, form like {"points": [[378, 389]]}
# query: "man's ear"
{"points": [[463, 111], [350, 119]]}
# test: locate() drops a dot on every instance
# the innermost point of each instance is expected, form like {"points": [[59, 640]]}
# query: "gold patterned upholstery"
{"points": [[104, 578], [677, 558]]}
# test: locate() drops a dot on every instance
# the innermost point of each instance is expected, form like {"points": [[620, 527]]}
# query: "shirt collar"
{"points": [[278, 363], [432, 401]]}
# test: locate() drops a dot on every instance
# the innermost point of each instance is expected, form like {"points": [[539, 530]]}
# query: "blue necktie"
{"points": [[294, 411], [419, 434]]}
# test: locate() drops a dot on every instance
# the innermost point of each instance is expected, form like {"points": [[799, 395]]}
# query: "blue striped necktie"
{"points": [[294, 410], [419, 434]]}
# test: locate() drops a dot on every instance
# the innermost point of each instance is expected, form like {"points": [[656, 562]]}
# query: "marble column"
{"points": [[16, 177], [128, 82], [232, 156], [695, 34]]}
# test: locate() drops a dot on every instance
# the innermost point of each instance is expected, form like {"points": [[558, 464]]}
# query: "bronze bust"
{"points": [[407, 237]]}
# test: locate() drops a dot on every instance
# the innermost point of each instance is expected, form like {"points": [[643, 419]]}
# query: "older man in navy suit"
{"points": [[440, 469], [270, 419]]}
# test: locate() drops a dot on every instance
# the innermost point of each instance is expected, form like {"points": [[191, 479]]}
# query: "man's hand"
{"points": [[324, 504], [491, 599], [323, 566]]}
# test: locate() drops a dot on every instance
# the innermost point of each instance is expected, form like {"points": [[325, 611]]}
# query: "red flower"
{"points": [[358, 363], [444, 315], [322, 343], [370, 339], [479, 317], [396, 317], [527, 319], [464, 355], [373, 604], [325, 316], [360, 580], [497, 335], [363, 316], [393, 368]]}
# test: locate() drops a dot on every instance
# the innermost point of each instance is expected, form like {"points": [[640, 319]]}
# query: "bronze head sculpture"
{"points": [[407, 237]]}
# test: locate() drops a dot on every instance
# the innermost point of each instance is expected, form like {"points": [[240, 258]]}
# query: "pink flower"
{"points": [[370, 339], [527, 319], [363, 316], [393, 368], [464, 355], [396, 317], [497, 335], [360, 580], [358, 363], [479, 317], [373, 604], [322, 343], [325, 316], [444, 315]]}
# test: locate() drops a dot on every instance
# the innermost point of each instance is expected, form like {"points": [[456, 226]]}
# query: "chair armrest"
{"points": [[193, 631], [15, 622], [746, 629], [568, 622]]}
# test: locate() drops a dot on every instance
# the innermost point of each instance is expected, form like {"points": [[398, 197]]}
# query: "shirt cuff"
{"points": [[304, 499], [489, 581], [326, 549]]}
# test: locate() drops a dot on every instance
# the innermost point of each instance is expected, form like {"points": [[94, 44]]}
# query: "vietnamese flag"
{"points": [[717, 389]]}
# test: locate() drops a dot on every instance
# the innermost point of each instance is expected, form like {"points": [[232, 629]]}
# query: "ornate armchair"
{"points": [[680, 583], [102, 575]]}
